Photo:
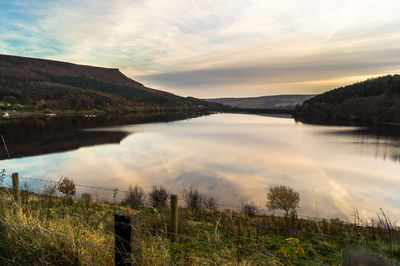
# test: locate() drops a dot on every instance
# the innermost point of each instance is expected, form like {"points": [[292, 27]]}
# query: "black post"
{"points": [[174, 217], [127, 239]]}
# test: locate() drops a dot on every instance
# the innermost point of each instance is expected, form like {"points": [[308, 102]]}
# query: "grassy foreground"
{"points": [[43, 230]]}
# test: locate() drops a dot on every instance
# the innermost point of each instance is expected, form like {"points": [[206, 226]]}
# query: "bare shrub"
{"points": [[283, 198], [135, 198], [50, 190], [210, 203], [193, 198], [114, 195], [250, 209], [159, 197]]}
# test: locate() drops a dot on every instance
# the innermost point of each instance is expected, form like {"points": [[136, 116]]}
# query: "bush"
{"points": [[250, 209], [210, 203], [193, 198], [67, 186], [135, 198], [159, 197], [283, 198]]}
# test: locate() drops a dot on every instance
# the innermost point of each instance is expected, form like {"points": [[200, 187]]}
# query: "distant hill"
{"points": [[375, 100], [265, 102], [36, 85]]}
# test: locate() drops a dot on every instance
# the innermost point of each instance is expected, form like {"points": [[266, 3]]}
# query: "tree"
{"points": [[283, 198], [67, 187]]}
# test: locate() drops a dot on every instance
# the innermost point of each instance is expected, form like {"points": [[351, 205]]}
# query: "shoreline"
{"points": [[24, 114]]}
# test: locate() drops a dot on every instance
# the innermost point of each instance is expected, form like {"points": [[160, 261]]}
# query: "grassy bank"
{"points": [[47, 230]]}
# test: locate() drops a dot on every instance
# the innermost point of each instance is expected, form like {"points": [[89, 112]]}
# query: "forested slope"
{"points": [[375, 100]]}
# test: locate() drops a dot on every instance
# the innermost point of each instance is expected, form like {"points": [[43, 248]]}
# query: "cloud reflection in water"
{"points": [[236, 157]]}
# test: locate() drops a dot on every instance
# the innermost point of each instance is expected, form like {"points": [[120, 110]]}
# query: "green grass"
{"points": [[48, 231]]}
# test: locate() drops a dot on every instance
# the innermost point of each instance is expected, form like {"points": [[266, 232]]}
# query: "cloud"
{"points": [[313, 71], [208, 47]]}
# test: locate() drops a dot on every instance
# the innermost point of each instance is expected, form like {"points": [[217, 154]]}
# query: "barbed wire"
{"points": [[162, 231], [60, 237], [231, 206], [63, 212], [294, 230], [263, 252], [78, 185], [265, 211], [268, 226], [261, 241], [158, 220], [240, 208], [145, 220], [52, 209], [237, 219]]}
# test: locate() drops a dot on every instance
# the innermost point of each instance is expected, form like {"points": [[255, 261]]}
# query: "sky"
{"points": [[213, 48]]}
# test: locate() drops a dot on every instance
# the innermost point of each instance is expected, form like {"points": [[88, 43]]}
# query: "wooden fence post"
{"points": [[15, 184], [128, 248], [174, 218], [345, 257]]}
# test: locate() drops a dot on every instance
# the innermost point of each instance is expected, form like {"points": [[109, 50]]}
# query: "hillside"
{"points": [[35, 84], [264, 102], [375, 100]]}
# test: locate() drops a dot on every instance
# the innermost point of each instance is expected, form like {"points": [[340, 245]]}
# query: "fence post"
{"points": [[128, 248], [15, 184], [345, 257], [174, 218]]}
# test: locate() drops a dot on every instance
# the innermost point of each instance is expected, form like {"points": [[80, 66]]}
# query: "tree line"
{"points": [[375, 100]]}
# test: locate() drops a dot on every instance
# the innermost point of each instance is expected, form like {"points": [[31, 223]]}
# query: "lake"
{"points": [[232, 157]]}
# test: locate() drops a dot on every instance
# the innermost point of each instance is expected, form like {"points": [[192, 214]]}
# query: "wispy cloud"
{"points": [[209, 48]]}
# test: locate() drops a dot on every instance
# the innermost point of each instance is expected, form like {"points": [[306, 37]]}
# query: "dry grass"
{"points": [[45, 230]]}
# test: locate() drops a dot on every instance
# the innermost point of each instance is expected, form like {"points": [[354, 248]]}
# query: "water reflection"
{"points": [[381, 142], [235, 158], [37, 136]]}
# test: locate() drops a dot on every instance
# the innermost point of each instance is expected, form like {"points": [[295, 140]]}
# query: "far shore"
{"points": [[13, 114]]}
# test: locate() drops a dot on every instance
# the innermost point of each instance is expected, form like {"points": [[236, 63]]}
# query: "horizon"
{"points": [[210, 50]]}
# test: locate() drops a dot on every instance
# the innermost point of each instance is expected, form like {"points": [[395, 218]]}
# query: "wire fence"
{"points": [[89, 245], [259, 211], [75, 241], [160, 223], [219, 206]]}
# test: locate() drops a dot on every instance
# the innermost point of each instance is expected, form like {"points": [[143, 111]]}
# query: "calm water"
{"points": [[233, 157]]}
